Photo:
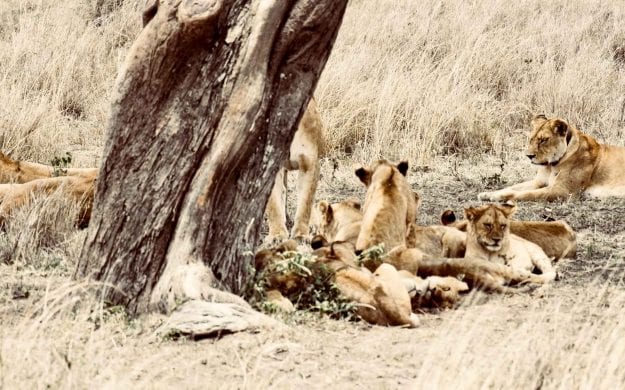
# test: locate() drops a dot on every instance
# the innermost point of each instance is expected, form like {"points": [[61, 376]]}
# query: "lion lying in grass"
{"points": [[556, 238], [15, 171], [570, 163], [489, 238], [380, 297], [23, 180]]}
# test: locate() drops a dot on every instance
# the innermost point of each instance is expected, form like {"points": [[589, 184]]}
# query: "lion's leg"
{"points": [[276, 209], [308, 177]]}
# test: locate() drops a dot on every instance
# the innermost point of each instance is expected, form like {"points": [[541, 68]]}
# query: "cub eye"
{"points": [[542, 141], [488, 226], [503, 227]]}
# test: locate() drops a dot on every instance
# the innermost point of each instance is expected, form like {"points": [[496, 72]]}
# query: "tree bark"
{"points": [[205, 109]]}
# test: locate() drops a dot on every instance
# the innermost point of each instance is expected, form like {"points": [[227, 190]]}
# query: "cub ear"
{"points": [[318, 241], [354, 203], [473, 213], [402, 167], [538, 121], [323, 206], [364, 175], [448, 217], [508, 208], [560, 127]]}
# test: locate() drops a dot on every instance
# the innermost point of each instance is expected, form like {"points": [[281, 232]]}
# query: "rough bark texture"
{"points": [[206, 106]]}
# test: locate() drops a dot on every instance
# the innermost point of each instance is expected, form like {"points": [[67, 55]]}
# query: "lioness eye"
{"points": [[503, 227], [488, 226]]}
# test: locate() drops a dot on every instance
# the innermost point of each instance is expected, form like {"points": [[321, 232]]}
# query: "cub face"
{"points": [[547, 141], [490, 224]]}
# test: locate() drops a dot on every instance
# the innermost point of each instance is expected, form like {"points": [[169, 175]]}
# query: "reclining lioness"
{"points": [[556, 238], [381, 297], [570, 163], [15, 171], [489, 238]]}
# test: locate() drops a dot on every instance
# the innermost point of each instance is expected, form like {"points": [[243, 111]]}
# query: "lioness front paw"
{"points": [[496, 196]]}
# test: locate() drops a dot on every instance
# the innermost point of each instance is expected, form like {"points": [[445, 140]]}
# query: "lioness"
{"points": [[489, 238], [570, 163], [381, 297], [390, 206], [337, 221], [15, 171], [304, 156], [79, 188], [556, 238]]}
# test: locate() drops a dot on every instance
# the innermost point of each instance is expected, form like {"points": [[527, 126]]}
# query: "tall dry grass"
{"points": [[414, 79]]}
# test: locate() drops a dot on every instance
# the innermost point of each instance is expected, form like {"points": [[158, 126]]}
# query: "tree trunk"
{"points": [[206, 106]]}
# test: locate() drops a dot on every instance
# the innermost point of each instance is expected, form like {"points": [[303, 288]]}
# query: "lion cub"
{"points": [[390, 208], [489, 238], [337, 221]]}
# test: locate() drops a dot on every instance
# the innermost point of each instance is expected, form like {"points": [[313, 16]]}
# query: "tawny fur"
{"points": [[390, 207], [337, 221], [15, 171], [306, 149], [489, 238], [570, 163], [556, 238], [79, 188]]}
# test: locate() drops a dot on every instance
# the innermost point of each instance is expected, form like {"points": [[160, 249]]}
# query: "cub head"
{"points": [[489, 224], [548, 141], [380, 171], [327, 218]]}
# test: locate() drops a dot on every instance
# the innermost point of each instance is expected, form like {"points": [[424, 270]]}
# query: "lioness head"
{"points": [[390, 205], [548, 140], [327, 218], [489, 224]]}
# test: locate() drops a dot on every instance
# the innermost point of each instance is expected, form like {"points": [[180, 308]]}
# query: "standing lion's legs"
{"points": [[276, 209], [308, 177]]}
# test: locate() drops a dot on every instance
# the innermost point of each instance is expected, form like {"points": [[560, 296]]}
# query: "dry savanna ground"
{"points": [[448, 85]]}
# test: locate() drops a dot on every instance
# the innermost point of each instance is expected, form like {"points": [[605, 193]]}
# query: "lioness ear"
{"points": [[353, 203], [323, 206], [538, 121], [472, 213], [560, 127], [508, 208], [402, 167], [364, 175], [329, 214]]}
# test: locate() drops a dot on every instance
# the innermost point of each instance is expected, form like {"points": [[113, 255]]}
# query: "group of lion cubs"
{"points": [[423, 265], [431, 265]]}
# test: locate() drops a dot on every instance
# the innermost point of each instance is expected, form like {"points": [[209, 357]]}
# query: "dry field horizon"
{"points": [[448, 85]]}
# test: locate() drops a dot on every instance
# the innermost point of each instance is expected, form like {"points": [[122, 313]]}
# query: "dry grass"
{"points": [[418, 80]]}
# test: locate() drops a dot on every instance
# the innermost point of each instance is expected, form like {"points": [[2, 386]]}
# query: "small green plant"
{"points": [[372, 257], [60, 164], [308, 284]]}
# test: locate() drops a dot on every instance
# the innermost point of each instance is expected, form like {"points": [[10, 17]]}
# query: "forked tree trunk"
{"points": [[206, 106]]}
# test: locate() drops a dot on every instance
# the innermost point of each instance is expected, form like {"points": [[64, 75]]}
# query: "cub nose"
{"points": [[530, 156], [358, 252]]}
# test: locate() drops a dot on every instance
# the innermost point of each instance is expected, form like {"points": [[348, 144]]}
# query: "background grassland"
{"points": [[449, 85]]}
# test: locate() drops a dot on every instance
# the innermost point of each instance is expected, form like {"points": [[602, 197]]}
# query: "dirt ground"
{"points": [[491, 341]]}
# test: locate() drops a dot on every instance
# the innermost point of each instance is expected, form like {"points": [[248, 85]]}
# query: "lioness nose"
{"points": [[530, 156], [358, 252]]}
